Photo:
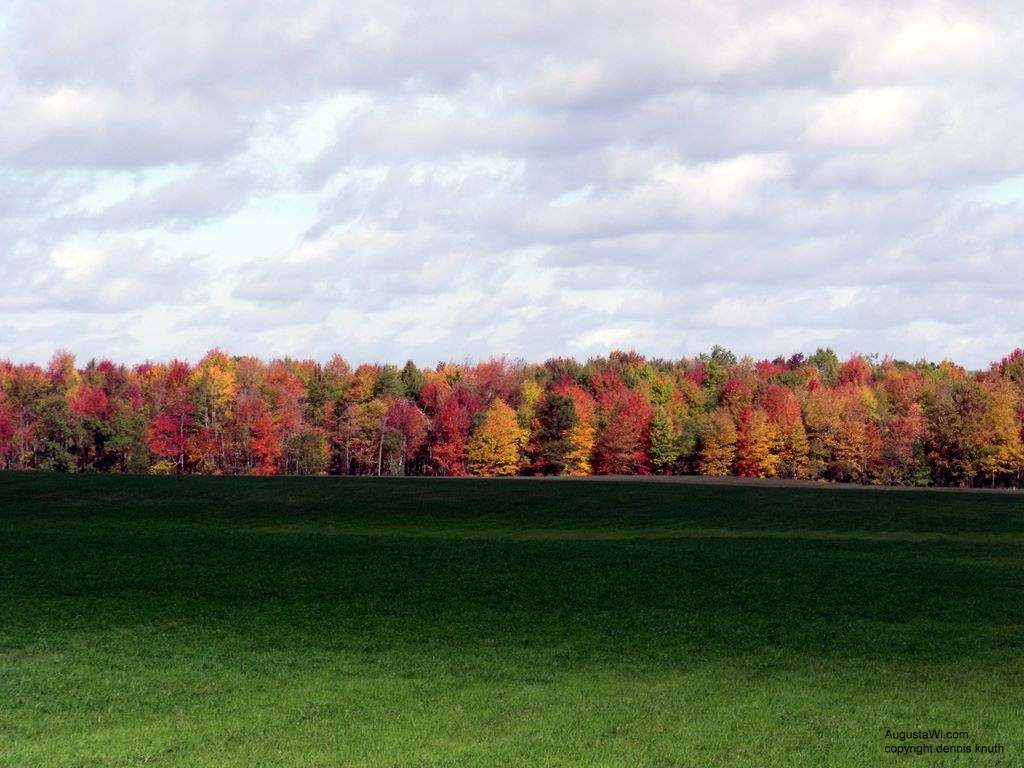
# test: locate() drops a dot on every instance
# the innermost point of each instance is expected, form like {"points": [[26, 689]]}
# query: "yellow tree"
{"points": [[1004, 454], [757, 445], [783, 409], [851, 455], [717, 444], [214, 381], [583, 433], [794, 452], [495, 446], [530, 393], [214, 392]]}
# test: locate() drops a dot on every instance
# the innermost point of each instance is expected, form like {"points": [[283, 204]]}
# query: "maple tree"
{"points": [[1003, 452], [408, 426], [6, 433], [451, 433], [673, 436], [792, 445], [364, 431], [956, 436], [169, 435], [256, 437], [496, 445], [624, 442], [816, 417], [717, 450], [582, 434], [758, 443]]}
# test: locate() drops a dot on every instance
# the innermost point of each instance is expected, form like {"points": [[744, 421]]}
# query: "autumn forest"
{"points": [[861, 420]]}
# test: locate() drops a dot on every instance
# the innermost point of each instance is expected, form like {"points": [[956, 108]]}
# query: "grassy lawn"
{"points": [[334, 622]]}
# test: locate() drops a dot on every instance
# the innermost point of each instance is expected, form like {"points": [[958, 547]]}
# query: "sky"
{"points": [[450, 181]]}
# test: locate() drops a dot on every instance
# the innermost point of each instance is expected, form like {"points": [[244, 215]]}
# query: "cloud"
{"points": [[210, 193], [395, 179], [70, 126], [98, 277], [869, 117]]}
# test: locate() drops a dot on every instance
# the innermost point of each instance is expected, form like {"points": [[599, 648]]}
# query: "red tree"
{"points": [[6, 432], [89, 401], [409, 425], [624, 442], [451, 433], [758, 445], [856, 371], [259, 441], [169, 434]]}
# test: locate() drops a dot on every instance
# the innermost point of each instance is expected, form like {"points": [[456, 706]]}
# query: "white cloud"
{"points": [[871, 117], [931, 40], [99, 276], [388, 181], [75, 261]]}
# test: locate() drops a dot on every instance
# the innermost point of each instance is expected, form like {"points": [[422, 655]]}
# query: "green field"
{"points": [[332, 622]]}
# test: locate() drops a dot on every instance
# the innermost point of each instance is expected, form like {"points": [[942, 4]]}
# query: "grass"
{"points": [[337, 622]]}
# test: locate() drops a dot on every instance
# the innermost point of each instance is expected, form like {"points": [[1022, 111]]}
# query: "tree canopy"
{"points": [[815, 417]]}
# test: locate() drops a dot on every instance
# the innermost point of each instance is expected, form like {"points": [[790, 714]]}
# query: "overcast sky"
{"points": [[459, 179]]}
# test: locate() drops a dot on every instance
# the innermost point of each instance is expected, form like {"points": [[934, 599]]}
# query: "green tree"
{"points": [[413, 380], [827, 363], [305, 452], [390, 383], [556, 416], [672, 437]]}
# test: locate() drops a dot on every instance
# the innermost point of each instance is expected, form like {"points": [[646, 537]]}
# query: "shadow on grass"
{"points": [[248, 565]]}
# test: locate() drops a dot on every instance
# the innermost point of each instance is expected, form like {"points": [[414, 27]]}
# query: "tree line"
{"points": [[885, 422]]}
